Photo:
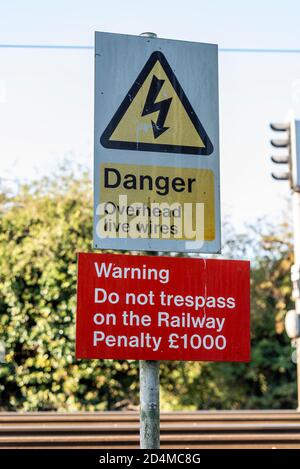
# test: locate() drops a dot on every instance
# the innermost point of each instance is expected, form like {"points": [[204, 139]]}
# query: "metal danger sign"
{"points": [[162, 308], [156, 165]]}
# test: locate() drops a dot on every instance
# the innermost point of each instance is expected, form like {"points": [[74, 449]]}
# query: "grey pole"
{"points": [[149, 390], [148, 34], [149, 404], [296, 276]]}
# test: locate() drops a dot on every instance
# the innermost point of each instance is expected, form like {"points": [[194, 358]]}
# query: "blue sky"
{"points": [[46, 96]]}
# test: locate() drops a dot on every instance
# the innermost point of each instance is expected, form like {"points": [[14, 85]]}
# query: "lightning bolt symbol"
{"points": [[162, 107]]}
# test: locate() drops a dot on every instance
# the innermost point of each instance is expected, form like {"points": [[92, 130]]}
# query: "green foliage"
{"points": [[41, 230], [40, 233]]}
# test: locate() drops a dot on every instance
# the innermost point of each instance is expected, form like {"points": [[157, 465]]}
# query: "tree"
{"points": [[41, 230]]}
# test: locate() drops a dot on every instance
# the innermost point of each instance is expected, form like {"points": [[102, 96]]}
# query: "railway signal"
{"points": [[289, 141], [285, 142], [289, 145]]}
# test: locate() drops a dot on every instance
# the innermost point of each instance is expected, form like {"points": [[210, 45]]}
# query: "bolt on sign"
{"points": [[162, 308], [156, 165]]}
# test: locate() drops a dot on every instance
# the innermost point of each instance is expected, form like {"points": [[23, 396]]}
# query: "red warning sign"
{"points": [[162, 308]]}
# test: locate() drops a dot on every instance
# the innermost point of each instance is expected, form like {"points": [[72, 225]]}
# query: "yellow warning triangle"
{"points": [[156, 115]]}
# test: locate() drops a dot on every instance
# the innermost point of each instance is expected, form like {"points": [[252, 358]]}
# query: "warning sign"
{"points": [[144, 188], [162, 308], [156, 145], [156, 115]]}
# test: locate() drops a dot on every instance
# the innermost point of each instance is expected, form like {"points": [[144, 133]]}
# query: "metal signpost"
{"points": [[157, 188], [149, 404]]}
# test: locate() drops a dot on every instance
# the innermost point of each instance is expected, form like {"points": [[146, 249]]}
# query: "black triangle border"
{"points": [[157, 147]]}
